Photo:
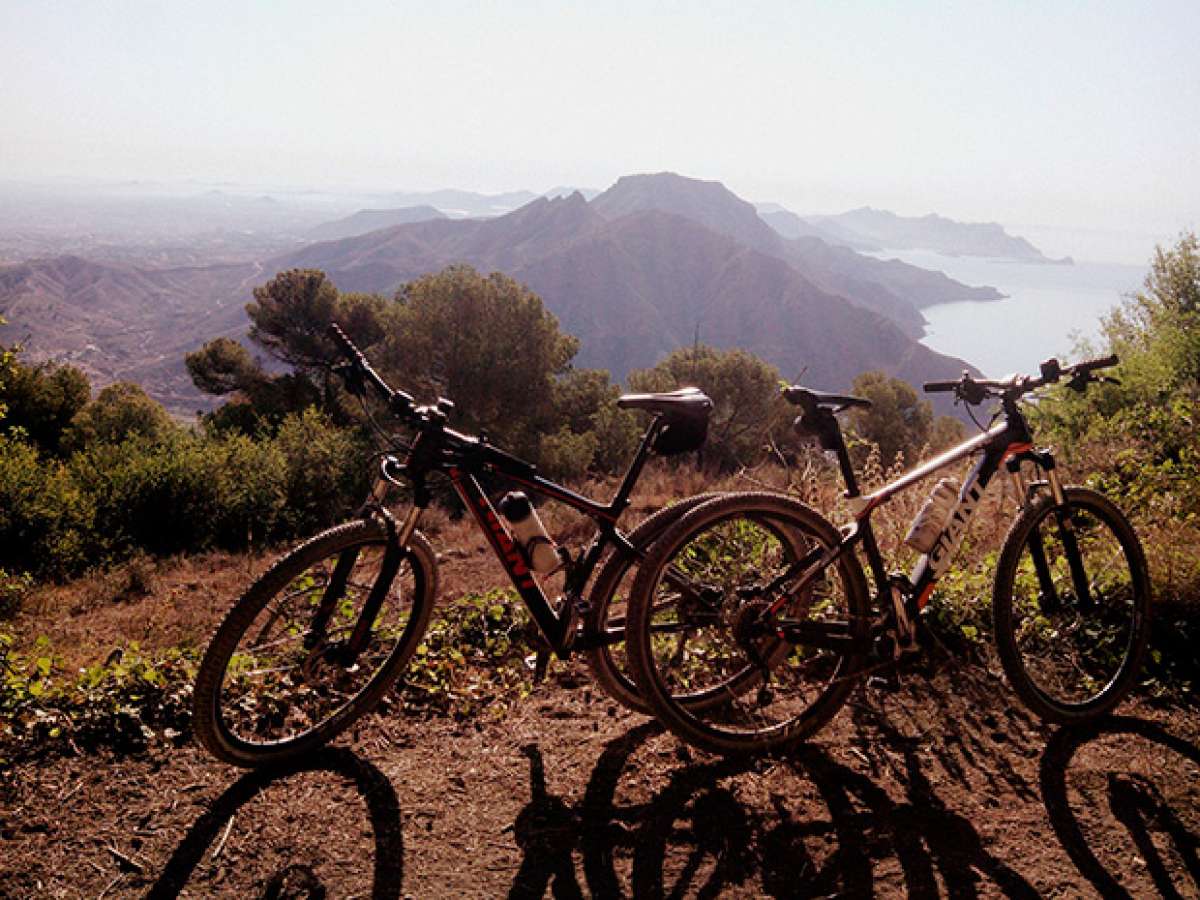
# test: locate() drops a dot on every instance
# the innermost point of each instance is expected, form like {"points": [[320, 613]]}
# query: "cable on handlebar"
{"points": [[399, 402]]}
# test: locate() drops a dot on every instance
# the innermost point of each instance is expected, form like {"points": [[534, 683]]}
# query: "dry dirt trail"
{"points": [[937, 789]]}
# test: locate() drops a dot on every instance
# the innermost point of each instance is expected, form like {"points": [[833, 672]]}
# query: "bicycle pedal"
{"points": [[889, 683]]}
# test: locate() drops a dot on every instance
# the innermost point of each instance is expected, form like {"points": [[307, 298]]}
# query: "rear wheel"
{"points": [[1071, 605], [708, 651], [281, 676], [609, 599]]}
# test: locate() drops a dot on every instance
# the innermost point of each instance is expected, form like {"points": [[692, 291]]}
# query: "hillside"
{"points": [[372, 220], [896, 292], [930, 232], [634, 274], [119, 322], [930, 780]]}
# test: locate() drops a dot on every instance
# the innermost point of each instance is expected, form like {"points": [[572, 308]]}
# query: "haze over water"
{"points": [[1048, 308]]}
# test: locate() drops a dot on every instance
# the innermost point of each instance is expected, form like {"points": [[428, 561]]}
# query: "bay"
{"points": [[1046, 311]]}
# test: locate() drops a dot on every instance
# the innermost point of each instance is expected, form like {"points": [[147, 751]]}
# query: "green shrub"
{"points": [[325, 472], [126, 703], [46, 520], [472, 656], [13, 588]]}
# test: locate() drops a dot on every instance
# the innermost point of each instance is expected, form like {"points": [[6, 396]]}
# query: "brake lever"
{"points": [[971, 393], [352, 376]]}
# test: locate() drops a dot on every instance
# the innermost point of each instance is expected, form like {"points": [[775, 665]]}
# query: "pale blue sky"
{"points": [[1058, 113]]}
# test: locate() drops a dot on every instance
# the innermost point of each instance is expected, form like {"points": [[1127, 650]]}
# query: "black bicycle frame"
{"points": [[556, 626]]}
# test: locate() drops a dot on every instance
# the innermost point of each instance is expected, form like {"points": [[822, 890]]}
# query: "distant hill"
{"points": [[122, 323], [931, 232], [636, 283], [633, 274], [372, 220], [789, 225], [462, 204], [566, 191], [898, 292]]}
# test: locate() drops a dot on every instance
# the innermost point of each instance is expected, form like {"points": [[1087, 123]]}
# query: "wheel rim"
{"points": [[282, 682], [714, 655], [1074, 631]]}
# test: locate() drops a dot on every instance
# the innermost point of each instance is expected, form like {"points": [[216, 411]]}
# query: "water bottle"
{"points": [[928, 523], [529, 532]]}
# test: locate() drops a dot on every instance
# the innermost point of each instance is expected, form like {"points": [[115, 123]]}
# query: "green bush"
{"points": [[46, 520], [325, 472], [126, 703], [13, 588]]}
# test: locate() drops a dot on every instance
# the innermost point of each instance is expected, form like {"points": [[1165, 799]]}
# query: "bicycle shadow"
{"points": [[297, 880], [1134, 801], [699, 835]]}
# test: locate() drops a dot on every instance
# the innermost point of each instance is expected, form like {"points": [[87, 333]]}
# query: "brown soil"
{"points": [[937, 788]]}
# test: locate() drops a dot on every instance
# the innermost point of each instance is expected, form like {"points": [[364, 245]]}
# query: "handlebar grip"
{"points": [[937, 387], [1090, 365], [397, 399], [344, 343]]}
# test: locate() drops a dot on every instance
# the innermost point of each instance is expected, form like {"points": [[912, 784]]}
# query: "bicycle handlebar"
{"points": [[403, 405], [398, 401], [975, 390]]}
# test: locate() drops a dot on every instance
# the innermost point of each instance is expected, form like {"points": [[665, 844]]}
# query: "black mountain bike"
{"points": [[323, 634], [757, 605]]}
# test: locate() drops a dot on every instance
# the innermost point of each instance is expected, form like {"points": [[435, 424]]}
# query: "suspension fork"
{"points": [[1070, 543], [395, 549]]}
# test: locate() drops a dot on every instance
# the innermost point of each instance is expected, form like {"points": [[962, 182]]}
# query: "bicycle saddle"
{"points": [[806, 397], [689, 401]]}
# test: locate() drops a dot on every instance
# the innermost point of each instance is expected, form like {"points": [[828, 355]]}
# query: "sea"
{"points": [[1048, 310]]}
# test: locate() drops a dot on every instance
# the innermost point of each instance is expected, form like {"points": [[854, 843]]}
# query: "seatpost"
{"points": [[621, 498], [843, 458]]}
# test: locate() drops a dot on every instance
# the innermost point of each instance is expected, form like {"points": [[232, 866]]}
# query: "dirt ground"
{"points": [[935, 788]]}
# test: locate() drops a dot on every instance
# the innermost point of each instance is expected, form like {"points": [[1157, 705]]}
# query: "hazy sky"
{"points": [[1079, 113]]}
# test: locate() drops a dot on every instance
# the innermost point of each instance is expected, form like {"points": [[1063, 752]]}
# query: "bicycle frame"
{"points": [[556, 626], [1008, 443]]}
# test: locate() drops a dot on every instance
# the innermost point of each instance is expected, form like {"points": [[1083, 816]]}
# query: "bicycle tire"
{"points": [[729, 716], [607, 609], [234, 711], [1072, 661]]}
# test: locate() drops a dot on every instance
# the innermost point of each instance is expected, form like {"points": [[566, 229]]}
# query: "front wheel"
{"points": [[1071, 606], [302, 655], [740, 640]]}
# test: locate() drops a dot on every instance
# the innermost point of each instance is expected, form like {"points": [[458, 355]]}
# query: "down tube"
{"points": [[933, 564], [553, 627]]}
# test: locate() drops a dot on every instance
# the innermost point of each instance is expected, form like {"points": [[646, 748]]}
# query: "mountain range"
{"points": [[639, 270], [876, 229]]}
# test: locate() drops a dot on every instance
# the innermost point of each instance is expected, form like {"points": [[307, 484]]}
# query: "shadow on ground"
{"points": [[696, 838], [296, 879], [1155, 825]]}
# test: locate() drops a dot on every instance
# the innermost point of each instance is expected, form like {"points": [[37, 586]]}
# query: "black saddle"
{"points": [[688, 401], [685, 412], [809, 399]]}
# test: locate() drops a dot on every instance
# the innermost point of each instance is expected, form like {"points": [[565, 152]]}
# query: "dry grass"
{"points": [[178, 602]]}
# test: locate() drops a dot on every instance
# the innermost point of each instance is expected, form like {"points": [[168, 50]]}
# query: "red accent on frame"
{"points": [[482, 509], [1015, 449], [923, 599]]}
